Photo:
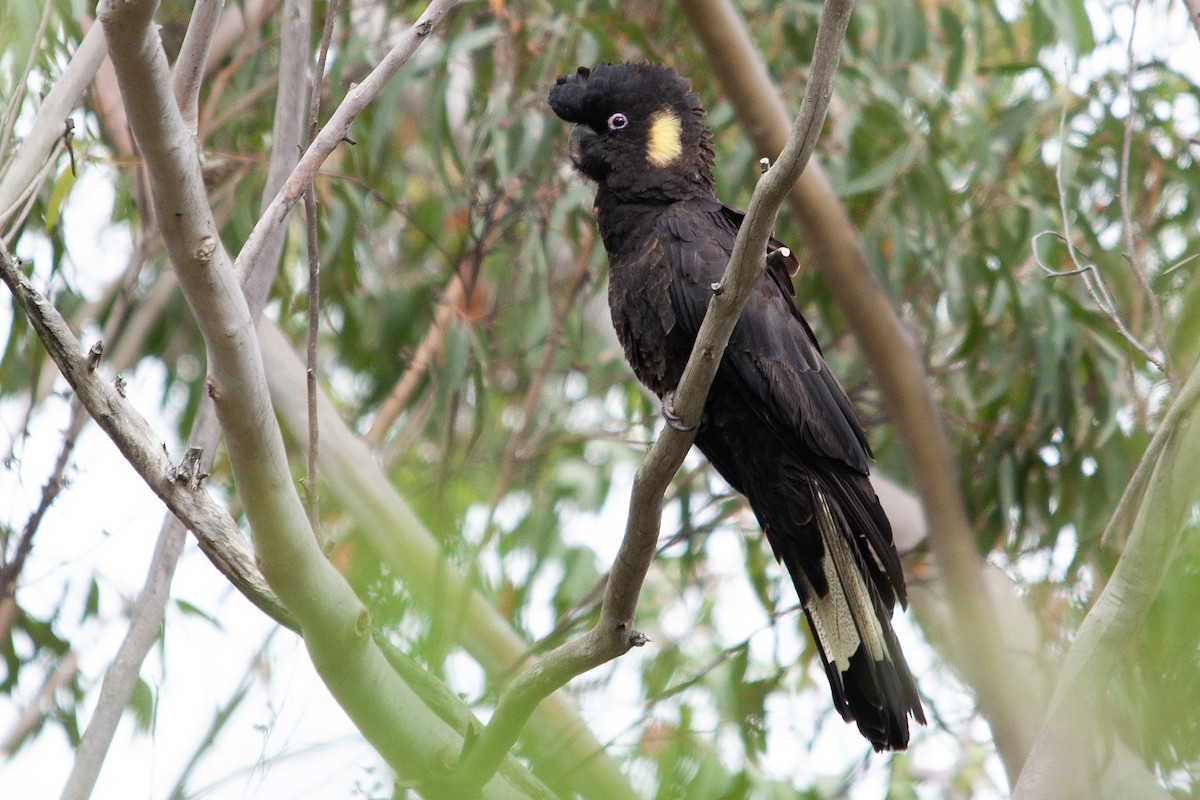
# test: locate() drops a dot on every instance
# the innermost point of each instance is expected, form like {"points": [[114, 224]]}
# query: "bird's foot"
{"points": [[673, 419]]}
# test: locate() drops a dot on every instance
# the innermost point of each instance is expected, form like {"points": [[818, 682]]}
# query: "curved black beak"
{"points": [[581, 136]]}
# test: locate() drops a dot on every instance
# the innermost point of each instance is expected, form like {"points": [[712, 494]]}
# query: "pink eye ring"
{"points": [[617, 121]]}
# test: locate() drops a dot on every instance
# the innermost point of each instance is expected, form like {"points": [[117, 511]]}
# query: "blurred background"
{"points": [[465, 338]]}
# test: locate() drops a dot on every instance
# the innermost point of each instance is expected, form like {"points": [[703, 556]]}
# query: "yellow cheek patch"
{"points": [[664, 145]]}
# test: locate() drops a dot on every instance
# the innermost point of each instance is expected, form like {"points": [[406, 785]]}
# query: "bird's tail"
{"points": [[851, 623]]}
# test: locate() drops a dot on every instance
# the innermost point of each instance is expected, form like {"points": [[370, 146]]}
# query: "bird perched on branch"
{"points": [[776, 424]]}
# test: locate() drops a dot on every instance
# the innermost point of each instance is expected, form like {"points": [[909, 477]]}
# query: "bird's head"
{"points": [[639, 131]]}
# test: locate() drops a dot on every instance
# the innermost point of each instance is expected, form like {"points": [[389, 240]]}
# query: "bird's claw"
{"points": [[673, 419]]}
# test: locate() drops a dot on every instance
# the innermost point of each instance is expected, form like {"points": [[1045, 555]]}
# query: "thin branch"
{"points": [[192, 62], [11, 571], [614, 633], [311, 493], [423, 357], [47, 126], [1092, 279], [336, 129], [457, 606], [120, 679], [15, 215], [220, 719], [14, 102], [235, 26], [839, 256], [33, 713], [251, 47], [1063, 762], [287, 138], [533, 395], [333, 620], [1131, 248], [1193, 12], [135, 439], [415, 557]]}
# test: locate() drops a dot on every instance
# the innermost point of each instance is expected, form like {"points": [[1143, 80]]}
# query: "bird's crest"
{"points": [[649, 141]]}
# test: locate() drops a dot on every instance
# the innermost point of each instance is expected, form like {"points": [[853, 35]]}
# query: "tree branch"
{"points": [[10, 571], [1064, 761], [1193, 12], [235, 25], [130, 432], [120, 679], [1093, 281], [334, 623], [614, 633], [1128, 235], [47, 126], [13, 106], [411, 552], [311, 490], [33, 713], [335, 130], [397, 400], [192, 62], [838, 254]]}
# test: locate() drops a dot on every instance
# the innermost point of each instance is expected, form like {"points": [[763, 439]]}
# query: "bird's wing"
{"points": [[773, 358]]}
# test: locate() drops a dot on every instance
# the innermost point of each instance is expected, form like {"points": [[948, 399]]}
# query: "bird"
{"points": [[776, 424]]}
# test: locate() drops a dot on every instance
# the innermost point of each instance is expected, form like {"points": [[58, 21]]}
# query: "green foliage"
{"points": [[949, 124]]}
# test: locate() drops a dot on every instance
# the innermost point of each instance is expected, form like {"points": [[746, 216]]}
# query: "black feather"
{"points": [[566, 98]]}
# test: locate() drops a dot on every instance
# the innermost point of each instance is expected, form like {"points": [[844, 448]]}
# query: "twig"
{"points": [[1092, 279], [120, 678], [250, 46], [14, 102], [54, 484], [14, 216], [135, 439], [1131, 248], [67, 138], [287, 137], [614, 633], [220, 718], [455, 616], [190, 66], [48, 123], [459, 294], [397, 400], [234, 26], [558, 322], [63, 674], [311, 493], [335, 130], [193, 58]]}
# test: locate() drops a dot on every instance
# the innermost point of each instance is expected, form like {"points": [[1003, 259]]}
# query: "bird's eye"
{"points": [[617, 121]]}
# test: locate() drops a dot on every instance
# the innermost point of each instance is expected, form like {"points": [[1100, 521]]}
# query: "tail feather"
{"points": [[851, 624]]}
